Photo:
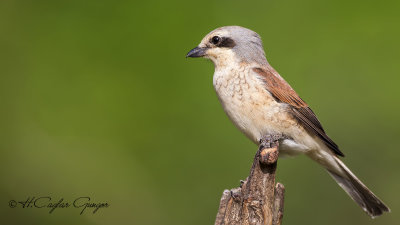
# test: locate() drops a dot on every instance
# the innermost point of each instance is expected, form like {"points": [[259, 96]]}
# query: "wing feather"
{"points": [[282, 92]]}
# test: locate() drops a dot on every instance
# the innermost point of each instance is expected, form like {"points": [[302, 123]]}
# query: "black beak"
{"points": [[197, 52]]}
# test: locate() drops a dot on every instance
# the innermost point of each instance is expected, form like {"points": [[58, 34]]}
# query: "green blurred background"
{"points": [[97, 99]]}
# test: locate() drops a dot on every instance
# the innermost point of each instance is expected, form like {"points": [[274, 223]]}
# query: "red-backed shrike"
{"points": [[260, 102]]}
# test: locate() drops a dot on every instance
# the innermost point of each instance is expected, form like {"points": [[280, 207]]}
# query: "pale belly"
{"points": [[256, 113]]}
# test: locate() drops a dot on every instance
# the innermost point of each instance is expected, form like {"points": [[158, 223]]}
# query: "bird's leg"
{"points": [[267, 141], [268, 149]]}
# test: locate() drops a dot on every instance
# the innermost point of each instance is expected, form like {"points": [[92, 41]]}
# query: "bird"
{"points": [[260, 102]]}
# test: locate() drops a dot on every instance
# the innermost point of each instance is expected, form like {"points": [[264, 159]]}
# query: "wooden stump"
{"points": [[258, 200]]}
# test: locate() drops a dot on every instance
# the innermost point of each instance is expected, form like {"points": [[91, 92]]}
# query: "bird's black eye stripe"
{"points": [[223, 42], [227, 43]]}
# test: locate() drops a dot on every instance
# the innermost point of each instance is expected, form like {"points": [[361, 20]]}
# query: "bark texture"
{"points": [[258, 200]]}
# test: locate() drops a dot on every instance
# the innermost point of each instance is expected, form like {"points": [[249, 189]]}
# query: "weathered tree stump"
{"points": [[258, 200]]}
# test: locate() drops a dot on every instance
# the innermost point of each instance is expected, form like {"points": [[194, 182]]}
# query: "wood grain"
{"points": [[257, 200]]}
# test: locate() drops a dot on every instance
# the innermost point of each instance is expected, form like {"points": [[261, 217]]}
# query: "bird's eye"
{"points": [[215, 40]]}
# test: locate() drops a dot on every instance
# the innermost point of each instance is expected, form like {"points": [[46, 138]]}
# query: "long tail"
{"points": [[367, 200]]}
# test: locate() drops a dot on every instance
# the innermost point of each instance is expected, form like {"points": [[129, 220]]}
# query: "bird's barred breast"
{"points": [[251, 107]]}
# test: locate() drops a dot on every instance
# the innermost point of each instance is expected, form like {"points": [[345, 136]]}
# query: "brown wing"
{"points": [[282, 92]]}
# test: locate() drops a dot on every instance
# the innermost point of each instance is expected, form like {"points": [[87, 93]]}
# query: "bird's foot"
{"points": [[268, 150], [267, 140]]}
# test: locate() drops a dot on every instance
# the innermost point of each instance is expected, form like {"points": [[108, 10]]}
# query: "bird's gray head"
{"points": [[231, 44]]}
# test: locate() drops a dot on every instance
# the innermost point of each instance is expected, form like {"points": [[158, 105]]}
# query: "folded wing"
{"points": [[282, 92]]}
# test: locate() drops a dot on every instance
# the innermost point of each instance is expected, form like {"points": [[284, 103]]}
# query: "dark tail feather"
{"points": [[367, 200]]}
